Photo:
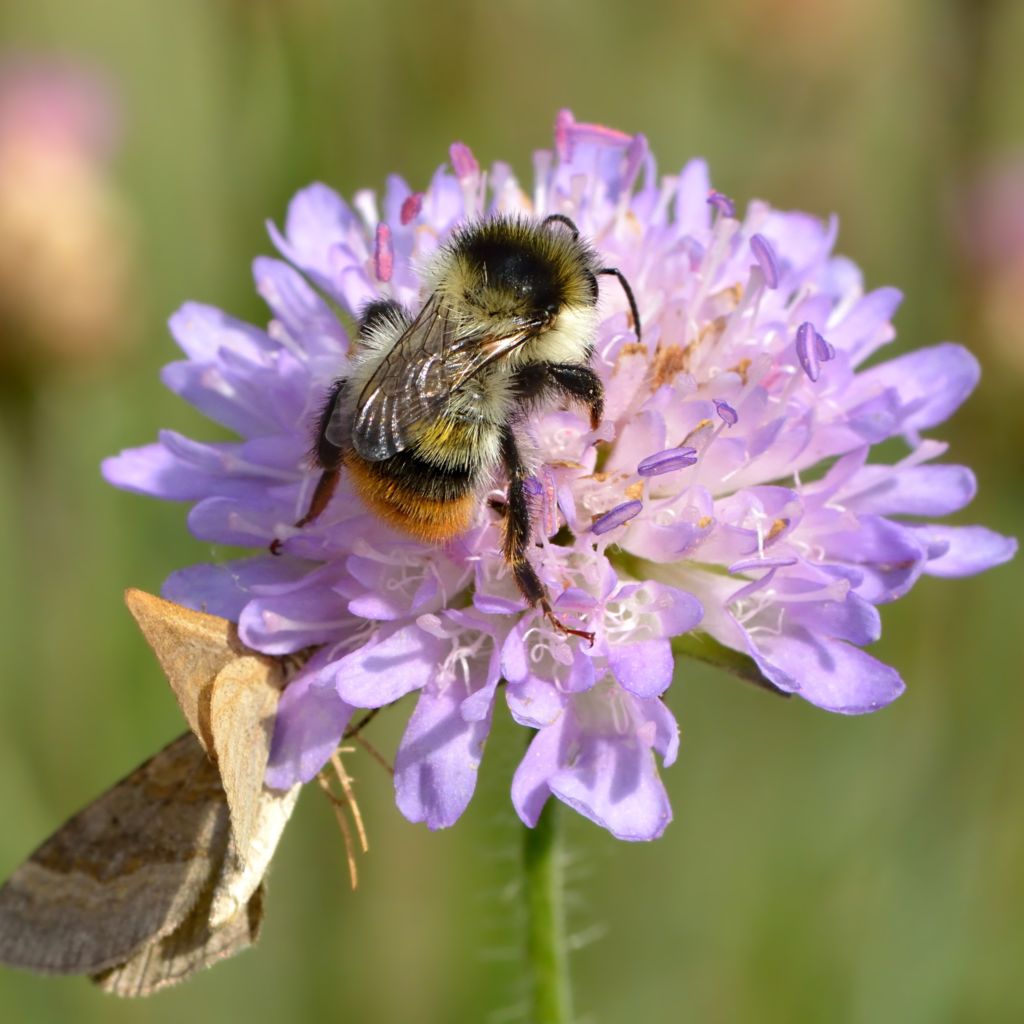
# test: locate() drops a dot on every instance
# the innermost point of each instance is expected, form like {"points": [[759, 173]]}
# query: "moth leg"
{"points": [[328, 457], [518, 527]]}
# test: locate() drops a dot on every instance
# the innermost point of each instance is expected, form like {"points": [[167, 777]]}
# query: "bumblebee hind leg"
{"points": [[518, 527]]}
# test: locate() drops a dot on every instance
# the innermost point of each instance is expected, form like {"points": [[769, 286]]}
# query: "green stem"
{"points": [[547, 950]]}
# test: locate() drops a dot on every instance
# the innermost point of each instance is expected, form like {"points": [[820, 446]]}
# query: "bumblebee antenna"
{"points": [[560, 218], [615, 272]]}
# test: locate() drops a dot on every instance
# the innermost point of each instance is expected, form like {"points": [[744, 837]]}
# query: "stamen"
{"points": [[765, 256], [749, 564], [616, 517], [807, 350], [383, 254], [411, 208], [667, 461], [722, 203], [824, 350], [726, 413], [463, 161]]}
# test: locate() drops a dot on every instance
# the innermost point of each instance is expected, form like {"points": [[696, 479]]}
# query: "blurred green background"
{"points": [[819, 868]]}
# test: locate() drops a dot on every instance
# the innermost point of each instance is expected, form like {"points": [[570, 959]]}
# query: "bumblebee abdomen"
{"points": [[432, 502]]}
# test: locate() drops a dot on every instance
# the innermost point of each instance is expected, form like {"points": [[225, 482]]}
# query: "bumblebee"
{"points": [[430, 409]]}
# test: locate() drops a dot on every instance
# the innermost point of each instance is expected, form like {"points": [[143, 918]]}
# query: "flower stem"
{"points": [[547, 950]]}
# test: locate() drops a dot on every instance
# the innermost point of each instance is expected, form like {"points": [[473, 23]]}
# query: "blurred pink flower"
{"points": [[65, 247]]}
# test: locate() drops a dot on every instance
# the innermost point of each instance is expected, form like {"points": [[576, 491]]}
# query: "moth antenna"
{"points": [[355, 730], [375, 754], [337, 805], [615, 272], [345, 781]]}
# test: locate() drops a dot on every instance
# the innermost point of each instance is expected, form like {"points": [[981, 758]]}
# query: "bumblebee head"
{"points": [[507, 273]]}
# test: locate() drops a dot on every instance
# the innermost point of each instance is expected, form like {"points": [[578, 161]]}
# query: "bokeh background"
{"points": [[819, 868]]}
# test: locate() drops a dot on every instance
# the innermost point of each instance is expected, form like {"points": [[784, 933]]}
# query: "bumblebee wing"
{"points": [[414, 382]]}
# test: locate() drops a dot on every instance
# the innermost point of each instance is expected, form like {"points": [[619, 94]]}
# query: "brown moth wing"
{"points": [[193, 946], [192, 647], [243, 702], [224, 922], [123, 872]]}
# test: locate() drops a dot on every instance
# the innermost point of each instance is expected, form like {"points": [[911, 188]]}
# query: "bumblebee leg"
{"points": [[328, 457], [579, 383], [517, 537]]}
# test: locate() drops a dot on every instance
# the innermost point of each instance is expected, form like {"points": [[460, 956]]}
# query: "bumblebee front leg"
{"points": [[578, 383], [328, 457], [518, 528]]}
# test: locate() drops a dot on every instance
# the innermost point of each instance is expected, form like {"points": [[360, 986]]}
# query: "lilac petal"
{"points": [[766, 259], [479, 705], [247, 522], [302, 617], [224, 589], [832, 674], [666, 462], [209, 389], [614, 782], [534, 702], [853, 619], [876, 418], [317, 220], [311, 720], [912, 491], [617, 517], [305, 316], [677, 610], [530, 789], [889, 554], [931, 383], [156, 470], [381, 673], [868, 325], [967, 549], [666, 729], [438, 760], [691, 199], [205, 332], [644, 668]]}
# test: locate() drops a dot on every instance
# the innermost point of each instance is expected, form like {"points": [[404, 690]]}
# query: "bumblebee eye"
{"points": [[592, 285]]}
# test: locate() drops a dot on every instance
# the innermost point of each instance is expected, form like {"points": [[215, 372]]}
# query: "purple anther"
{"points": [[383, 254], [722, 203], [463, 161], [765, 256], [807, 350], [411, 207], [618, 515], [726, 413], [824, 350], [666, 462], [533, 486]]}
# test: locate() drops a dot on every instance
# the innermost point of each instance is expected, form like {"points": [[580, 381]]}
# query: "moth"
{"points": [[163, 874]]}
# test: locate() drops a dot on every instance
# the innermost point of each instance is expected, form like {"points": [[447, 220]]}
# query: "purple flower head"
{"points": [[701, 502]]}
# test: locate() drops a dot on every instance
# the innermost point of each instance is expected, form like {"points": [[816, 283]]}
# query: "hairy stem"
{"points": [[547, 950]]}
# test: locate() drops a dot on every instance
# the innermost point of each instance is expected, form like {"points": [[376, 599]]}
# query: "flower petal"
{"points": [[438, 760]]}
